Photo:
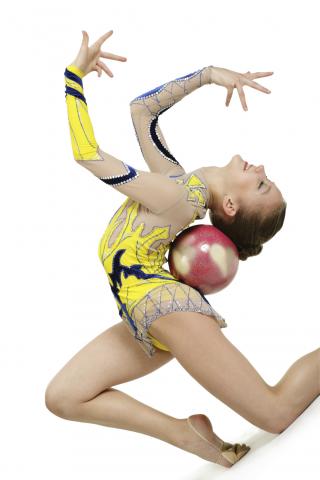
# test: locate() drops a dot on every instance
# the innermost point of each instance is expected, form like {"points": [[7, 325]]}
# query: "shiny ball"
{"points": [[203, 257]]}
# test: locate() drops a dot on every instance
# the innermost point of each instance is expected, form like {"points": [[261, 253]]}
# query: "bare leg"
{"points": [[81, 391], [298, 388], [114, 408], [201, 348], [300, 385]]}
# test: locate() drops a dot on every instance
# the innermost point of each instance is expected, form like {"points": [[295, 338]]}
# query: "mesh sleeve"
{"points": [[145, 110]]}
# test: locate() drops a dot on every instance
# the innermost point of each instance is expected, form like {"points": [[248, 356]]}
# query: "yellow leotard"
{"points": [[159, 204]]}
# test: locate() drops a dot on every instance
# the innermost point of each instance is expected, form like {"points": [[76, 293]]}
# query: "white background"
{"points": [[55, 292]]}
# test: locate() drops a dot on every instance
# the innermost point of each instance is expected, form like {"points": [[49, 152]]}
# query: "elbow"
{"points": [[135, 108], [81, 162]]}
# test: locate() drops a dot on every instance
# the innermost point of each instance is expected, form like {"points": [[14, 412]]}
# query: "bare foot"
{"points": [[201, 440]]}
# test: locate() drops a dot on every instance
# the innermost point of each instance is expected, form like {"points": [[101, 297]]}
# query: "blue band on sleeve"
{"points": [[120, 179], [189, 75], [73, 76], [153, 132], [75, 93], [158, 89]]}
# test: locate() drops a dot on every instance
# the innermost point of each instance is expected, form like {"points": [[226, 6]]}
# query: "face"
{"points": [[250, 185]]}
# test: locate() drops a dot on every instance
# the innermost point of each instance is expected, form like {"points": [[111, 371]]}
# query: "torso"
{"points": [[145, 236]]}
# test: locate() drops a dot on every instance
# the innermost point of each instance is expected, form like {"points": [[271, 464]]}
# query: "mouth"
{"points": [[246, 166]]}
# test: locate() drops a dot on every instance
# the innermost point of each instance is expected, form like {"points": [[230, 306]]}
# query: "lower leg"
{"points": [[115, 409], [300, 385]]}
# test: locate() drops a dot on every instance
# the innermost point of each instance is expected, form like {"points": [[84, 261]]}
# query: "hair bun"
{"points": [[249, 251]]}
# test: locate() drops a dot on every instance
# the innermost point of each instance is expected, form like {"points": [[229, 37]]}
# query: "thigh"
{"points": [[199, 345], [112, 358]]}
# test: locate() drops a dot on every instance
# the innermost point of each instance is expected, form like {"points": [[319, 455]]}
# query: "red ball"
{"points": [[203, 257]]}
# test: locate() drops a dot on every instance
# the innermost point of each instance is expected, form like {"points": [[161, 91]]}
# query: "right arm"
{"points": [[153, 190], [145, 110]]}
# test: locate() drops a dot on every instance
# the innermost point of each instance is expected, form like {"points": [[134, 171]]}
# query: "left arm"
{"points": [[145, 110]]}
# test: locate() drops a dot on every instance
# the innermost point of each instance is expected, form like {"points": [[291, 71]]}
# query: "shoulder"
{"points": [[196, 184]]}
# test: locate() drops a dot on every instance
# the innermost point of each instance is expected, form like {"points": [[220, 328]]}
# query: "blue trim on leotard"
{"points": [[157, 141], [118, 179], [160, 87], [115, 282], [75, 93], [73, 77], [188, 75]]}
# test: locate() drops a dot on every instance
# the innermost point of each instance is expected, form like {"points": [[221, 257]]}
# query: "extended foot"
{"points": [[201, 440]]}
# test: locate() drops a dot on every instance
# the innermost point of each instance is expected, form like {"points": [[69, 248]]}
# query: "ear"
{"points": [[229, 206]]}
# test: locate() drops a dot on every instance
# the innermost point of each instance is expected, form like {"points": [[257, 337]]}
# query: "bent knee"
{"points": [[278, 418], [58, 402], [275, 426]]}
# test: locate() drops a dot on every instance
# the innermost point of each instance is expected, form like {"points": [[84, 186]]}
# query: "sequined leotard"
{"points": [[159, 204]]}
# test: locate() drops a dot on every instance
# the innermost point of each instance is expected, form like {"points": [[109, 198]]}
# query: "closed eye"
{"points": [[266, 190]]}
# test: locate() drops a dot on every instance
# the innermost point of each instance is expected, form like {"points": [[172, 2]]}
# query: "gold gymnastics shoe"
{"points": [[207, 445]]}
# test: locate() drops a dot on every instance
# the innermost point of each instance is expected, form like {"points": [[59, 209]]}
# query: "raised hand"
{"points": [[88, 57], [230, 80]]}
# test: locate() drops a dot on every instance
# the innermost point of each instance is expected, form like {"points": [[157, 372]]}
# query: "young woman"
{"points": [[162, 318]]}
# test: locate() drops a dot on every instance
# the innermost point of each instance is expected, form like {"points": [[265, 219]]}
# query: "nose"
{"points": [[260, 168]]}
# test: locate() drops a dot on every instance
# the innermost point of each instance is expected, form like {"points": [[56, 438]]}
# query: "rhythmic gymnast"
{"points": [[162, 318]]}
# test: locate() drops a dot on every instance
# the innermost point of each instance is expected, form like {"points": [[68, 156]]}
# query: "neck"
{"points": [[215, 181]]}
